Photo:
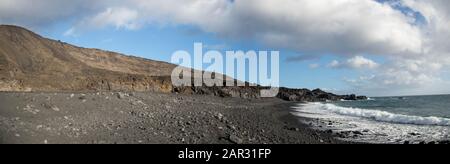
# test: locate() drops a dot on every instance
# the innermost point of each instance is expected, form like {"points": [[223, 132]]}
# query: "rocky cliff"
{"points": [[29, 62]]}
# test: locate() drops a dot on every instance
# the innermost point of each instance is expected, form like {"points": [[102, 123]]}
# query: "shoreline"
{"points": [[364, 130], [317, 136], [150, 118]]}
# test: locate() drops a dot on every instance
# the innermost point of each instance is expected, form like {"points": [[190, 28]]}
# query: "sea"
{"points": [[396, 120]]}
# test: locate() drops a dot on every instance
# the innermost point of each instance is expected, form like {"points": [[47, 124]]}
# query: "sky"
{"points": [[369, 47]]}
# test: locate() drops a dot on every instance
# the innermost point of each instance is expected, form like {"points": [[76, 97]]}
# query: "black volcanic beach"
{"points": [[141, 118]]}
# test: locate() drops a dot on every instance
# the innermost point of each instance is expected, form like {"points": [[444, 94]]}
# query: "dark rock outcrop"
{"points": [[317, 95]]}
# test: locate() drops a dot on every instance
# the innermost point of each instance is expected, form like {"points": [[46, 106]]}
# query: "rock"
{"points": [[292, 128], [362, 98], [55, 108], [293, 98], [219, 116], [350, 97], [357, 133], [235, 139], [444, 142], [414, 134], [231, 127], [31, 109], [120, 95], [82, 97]]}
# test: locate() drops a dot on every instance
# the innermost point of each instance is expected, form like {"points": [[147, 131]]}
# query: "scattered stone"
{"points": [[121, 95], [30, 108], [414, 134], [235, 139], [231, 127], [219, 116], [55, 108], [82, 97], [357, 133]]}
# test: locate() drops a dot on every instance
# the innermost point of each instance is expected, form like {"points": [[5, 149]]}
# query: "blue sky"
{"points": [[383, 47]]}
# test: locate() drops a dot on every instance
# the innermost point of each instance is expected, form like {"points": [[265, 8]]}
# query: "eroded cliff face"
{"points": [[29, 62]]}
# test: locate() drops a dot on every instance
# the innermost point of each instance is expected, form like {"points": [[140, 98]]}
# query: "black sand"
{"points": [[149, 118]]}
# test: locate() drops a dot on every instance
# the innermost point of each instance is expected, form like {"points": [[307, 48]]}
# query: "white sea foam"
{"points": [[375, 115], [376, 126]]}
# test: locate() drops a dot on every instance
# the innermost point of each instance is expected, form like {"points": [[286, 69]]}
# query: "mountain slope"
{"points": [[29, 62]]}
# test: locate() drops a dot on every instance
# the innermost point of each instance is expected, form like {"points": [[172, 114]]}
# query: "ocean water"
{"points": [[383, 120]]}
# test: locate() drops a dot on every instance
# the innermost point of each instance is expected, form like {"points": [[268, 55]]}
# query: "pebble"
{"points": [[56, 109], [120, 95], [235, 139]]}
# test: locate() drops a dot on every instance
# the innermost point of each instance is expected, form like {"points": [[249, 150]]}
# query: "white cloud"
{"points": [[42, 13], [422, 74], [314, 66], [357, 62], [361, 62], [334, 64], [342, 27], [118, 17]]}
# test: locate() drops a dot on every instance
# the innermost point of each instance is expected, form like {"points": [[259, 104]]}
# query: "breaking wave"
{"points": [[376, 115]]}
